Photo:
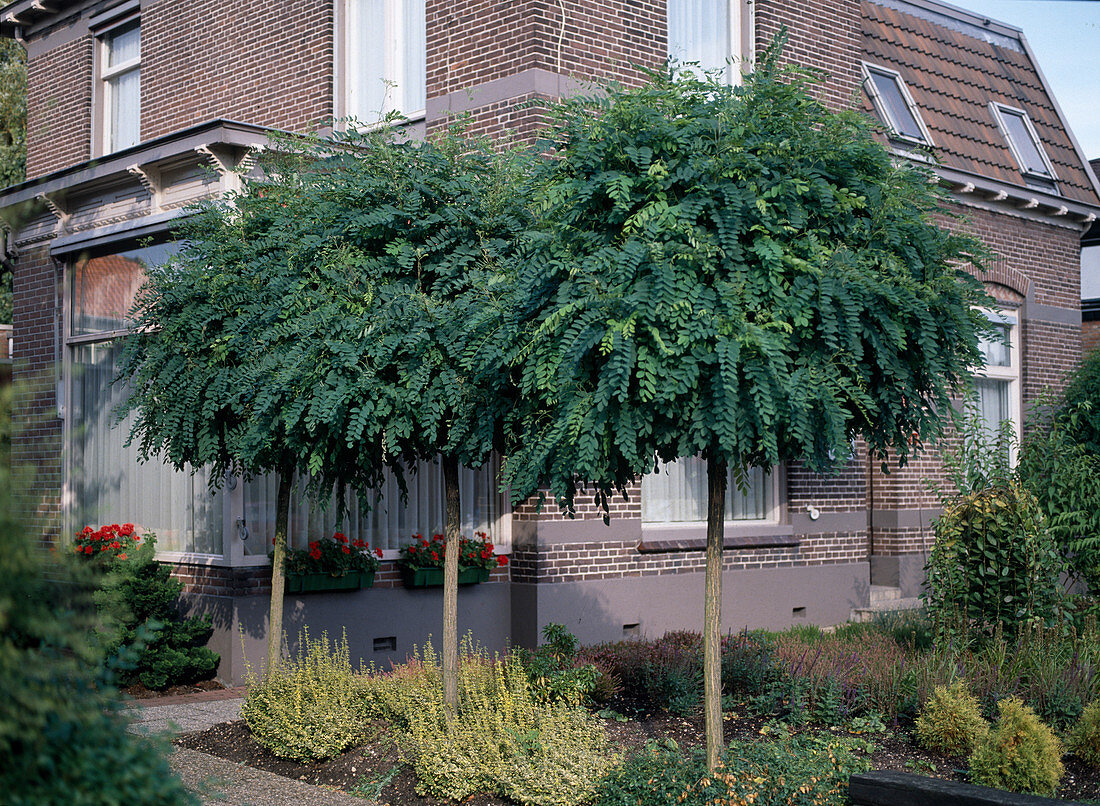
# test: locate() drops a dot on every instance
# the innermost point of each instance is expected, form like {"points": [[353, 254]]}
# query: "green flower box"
{"points": [[433, 577], [309, 583]]}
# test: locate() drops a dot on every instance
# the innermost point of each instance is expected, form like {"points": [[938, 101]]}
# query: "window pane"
{"points": [[699, 31], [383, 520], [103, 288], [386, 58], [125, 99], [123, 45], [677, 493], [994, 407], [897, 108], [996, 349], [1025, 145], [110, 485]]}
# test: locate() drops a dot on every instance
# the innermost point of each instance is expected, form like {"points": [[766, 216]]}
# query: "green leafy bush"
{"points": [[951, 721], [1084, 740], [994, 564], [557, 674], [1080, 409], [310, 708], [788, 770], [1020, 753], [505, 738]]}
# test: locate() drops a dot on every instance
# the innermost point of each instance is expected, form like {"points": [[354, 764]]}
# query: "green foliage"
{"points": [[504, 739], [1079, 413], [326, 318], [734, 271], [138, 601], [1064, 476], [554, 670], [951, 721], [60, 740], [1020, 753], [13, 113], [309, 708], [1084, 740], [788, 770], [994, 564]]}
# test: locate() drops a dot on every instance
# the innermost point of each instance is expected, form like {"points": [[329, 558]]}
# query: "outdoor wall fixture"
{"points": [[814, 513]]}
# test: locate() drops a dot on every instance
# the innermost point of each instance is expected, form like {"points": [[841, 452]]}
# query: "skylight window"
{"points": [[895, 105], [1024, 143]]}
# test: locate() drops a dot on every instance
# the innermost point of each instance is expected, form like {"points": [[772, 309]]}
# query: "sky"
{"points": [[1064, 35]]}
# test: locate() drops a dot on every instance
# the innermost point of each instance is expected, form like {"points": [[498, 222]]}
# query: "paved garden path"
{"points": [[216, 780]]}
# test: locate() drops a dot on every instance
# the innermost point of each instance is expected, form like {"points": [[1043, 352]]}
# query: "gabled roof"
{"points": [[955, 64]]}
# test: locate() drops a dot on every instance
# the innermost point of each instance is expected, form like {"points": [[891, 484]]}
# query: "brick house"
{"points": [[1090, 281], [138, 107]]}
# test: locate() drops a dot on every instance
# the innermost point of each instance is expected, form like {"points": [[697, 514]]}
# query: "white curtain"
{"points": [[677, 493], [124, 89], [110, 485], [386, 57], [384, 520], [699, 31]]}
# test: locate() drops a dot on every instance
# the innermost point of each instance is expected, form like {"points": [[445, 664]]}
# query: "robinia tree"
{"points": [[326, 321], [737, 273]]}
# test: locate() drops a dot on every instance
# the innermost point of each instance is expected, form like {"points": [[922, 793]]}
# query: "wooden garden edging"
{"points": [[889, 788]]}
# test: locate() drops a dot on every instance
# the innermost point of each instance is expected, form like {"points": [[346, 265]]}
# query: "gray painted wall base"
{"points": [[408, 617], [637, 607], [904, 571]]}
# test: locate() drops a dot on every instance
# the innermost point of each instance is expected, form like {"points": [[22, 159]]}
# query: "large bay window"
{"points": [[677, 494], [997, 385], [107, 483], [385, 58]]}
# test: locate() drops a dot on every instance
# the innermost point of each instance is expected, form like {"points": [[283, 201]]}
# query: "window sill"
{"points": [[738, 536]]}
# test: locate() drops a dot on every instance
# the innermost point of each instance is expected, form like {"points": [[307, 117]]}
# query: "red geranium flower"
{"points": [[378, 552], [502, 560]]}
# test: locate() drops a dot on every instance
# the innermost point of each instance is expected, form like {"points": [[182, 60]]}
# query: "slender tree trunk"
{"points": [[451, 525], [712, 610], [278, 581]]}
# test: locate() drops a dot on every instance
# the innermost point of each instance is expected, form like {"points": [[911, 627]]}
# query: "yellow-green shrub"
{"points": [[951, 721], [309, 709], [1020, 753], [1084, 740], [503, 739]]}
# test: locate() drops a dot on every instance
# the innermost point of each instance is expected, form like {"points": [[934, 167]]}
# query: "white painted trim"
{"points": [[884, 108], [999, 110]]}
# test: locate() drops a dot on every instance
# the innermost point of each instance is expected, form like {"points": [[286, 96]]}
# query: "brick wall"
{"points": [[1090, 336], [36, 444], [59, 107], [822, 34], [265, 62]]}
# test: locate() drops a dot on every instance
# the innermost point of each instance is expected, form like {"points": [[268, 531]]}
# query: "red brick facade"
{"points": [[59, 107]]}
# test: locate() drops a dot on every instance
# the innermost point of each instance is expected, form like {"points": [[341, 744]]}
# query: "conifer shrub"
{"points": [[1084, 739], [310, 708], [951, 721], [1019, 754]]}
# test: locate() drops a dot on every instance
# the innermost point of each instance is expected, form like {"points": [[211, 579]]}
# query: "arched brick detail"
{"points": [[999, 273]]}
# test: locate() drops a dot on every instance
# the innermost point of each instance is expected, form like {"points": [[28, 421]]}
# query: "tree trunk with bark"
{"points": [[278, 578], [451, 526], [712, 610]]}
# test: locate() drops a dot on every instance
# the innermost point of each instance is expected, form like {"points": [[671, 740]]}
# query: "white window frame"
{"points": [[771, 518], [884, 108], [344, 84], [104, 75], [1012, 373], [742, 45], [999, 111]]}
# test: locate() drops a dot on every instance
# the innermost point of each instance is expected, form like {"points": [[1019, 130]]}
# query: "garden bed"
{"points": [[374, 769]]}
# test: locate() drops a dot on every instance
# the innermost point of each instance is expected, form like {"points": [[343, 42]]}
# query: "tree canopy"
{"points": [[734, 270]]}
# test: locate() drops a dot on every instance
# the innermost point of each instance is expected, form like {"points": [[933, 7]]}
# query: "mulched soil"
{"points": [[375, 771], [139, 692]]}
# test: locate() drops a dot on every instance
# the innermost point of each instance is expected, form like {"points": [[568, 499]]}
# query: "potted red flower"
{"points": [[330, 564], [112, 542], [421, 560]]}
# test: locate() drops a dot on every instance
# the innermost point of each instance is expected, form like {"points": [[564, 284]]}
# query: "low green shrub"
{"points": [[951, 721], [801, 770], [505, 738], [557, 674], [1019, 754], [1084, 739], [310, 708]]}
